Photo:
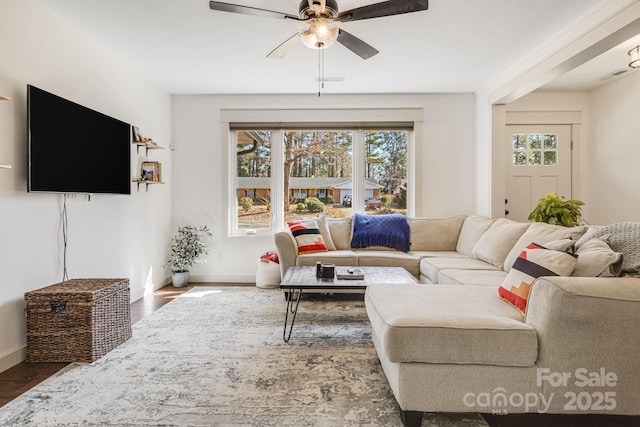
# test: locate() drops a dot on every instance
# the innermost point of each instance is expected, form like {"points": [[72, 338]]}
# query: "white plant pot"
{"points": [[180, 279]]}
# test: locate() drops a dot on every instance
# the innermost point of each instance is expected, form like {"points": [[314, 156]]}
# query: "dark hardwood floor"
{"points": [[22, 377]]}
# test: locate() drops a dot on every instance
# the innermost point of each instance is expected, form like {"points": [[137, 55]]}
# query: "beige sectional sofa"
{"points": [[453, 345]]}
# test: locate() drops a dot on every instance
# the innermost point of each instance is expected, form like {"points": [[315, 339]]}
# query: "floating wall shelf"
{"points": [[5, 166], [146, 183], [148, 146], [4, 98]]}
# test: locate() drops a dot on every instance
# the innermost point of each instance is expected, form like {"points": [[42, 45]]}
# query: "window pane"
{"points": [[535, 141], [253, 180], [519, 141], [550, 142], [519, 158], [550, 158], [317, 165], [535, 158], [385, 186]]}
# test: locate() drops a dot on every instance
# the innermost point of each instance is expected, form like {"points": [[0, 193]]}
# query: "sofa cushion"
{"points": [[389, 258], [323, 226], [449, 324], [596, 258], [624, 237], [326, 233], [541, 233], [435, 234], [429, 267], [438, 254], [391, 231], [473, 228], [347, 257], [307, 236], [492, 278], [340, 232], [534, 261], [496, 243]]}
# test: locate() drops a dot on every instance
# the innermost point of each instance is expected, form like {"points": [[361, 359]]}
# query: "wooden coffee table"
{"points": [[300, 279]]}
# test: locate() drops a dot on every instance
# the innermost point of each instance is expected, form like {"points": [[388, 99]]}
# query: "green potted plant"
{"points": [[557, 210], [187, 248]]}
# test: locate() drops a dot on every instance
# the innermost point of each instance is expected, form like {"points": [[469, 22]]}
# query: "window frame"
{"points": [[277, 121]]}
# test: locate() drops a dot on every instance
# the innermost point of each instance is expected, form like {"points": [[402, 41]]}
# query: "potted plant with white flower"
{"points": [[187, 248]]}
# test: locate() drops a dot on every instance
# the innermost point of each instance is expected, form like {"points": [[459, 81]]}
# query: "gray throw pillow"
{"points": [[595, 258], [624, 237]]}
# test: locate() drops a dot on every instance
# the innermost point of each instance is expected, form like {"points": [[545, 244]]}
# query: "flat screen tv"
{"points": [[74, 149]]}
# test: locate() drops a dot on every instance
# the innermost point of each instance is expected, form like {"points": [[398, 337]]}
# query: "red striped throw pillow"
{"points": [[308, 237], [534, 261]]}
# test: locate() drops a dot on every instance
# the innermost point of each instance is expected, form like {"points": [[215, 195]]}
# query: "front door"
{"points": [[538, 161]]}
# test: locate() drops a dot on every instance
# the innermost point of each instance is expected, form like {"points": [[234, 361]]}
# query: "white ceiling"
{"points": [[603, 69], [455, 46]]}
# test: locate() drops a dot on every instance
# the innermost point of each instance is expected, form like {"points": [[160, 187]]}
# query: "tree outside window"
{"points": [[317, 174]]}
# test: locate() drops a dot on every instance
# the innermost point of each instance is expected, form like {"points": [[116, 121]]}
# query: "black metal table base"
{"points": [[292, 296]]}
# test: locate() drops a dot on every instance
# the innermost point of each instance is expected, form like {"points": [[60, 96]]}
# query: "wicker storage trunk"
{"points": [[78, 320]]}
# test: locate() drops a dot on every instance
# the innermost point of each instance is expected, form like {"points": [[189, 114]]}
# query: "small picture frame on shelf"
{"points": [[136, 134]]}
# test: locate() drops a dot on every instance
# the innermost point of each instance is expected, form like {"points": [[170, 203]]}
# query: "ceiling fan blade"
{"points": [[285, 47], [385, 8], [357, 46], [247, 10]]}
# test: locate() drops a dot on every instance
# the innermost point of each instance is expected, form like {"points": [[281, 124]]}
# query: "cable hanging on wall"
{"points": [[65, 236]]}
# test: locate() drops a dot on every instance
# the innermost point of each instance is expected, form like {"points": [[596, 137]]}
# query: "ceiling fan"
{"points": [[318, 29]]}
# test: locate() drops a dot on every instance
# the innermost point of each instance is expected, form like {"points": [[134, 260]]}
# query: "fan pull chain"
{"points": [[319, 71], [322, 68]]}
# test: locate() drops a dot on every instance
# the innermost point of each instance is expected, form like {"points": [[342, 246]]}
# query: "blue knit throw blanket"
{"points": [[391, 231]]}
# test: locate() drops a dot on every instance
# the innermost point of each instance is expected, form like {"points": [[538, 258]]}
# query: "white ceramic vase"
{"points": [[180, 279]]}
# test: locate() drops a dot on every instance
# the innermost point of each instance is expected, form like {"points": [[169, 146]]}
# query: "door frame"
{"points": [[572, 118]]}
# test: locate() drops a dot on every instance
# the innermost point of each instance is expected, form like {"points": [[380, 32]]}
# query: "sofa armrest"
{"points": [[573, 312], [588, 324], [287, 250]]}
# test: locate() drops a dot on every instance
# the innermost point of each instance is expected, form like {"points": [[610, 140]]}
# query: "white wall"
{"points": [[444, 164], [110, 236], [614, 175]]}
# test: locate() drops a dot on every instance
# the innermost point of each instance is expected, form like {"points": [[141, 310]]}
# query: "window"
{"points": [[385, 166], [535, 149], [298, 195], [316, 164], [284, 173], [253, 180]]}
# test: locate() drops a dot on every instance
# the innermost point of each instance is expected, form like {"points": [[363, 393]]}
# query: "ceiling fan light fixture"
{"points": [[635, 57], [318, 8], [318, 33]]}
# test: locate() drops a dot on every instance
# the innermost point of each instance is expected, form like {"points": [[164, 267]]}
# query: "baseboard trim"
{"points": [[139, 293], [11, 359]]}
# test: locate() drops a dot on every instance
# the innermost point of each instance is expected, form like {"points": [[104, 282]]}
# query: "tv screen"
{"points": [[74, 149]]}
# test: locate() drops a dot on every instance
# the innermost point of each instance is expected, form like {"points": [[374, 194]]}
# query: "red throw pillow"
{"points": [[308, 237], [534, 261]]}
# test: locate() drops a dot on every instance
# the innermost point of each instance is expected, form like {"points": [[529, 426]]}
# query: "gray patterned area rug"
{"points": [[215, 357]]}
